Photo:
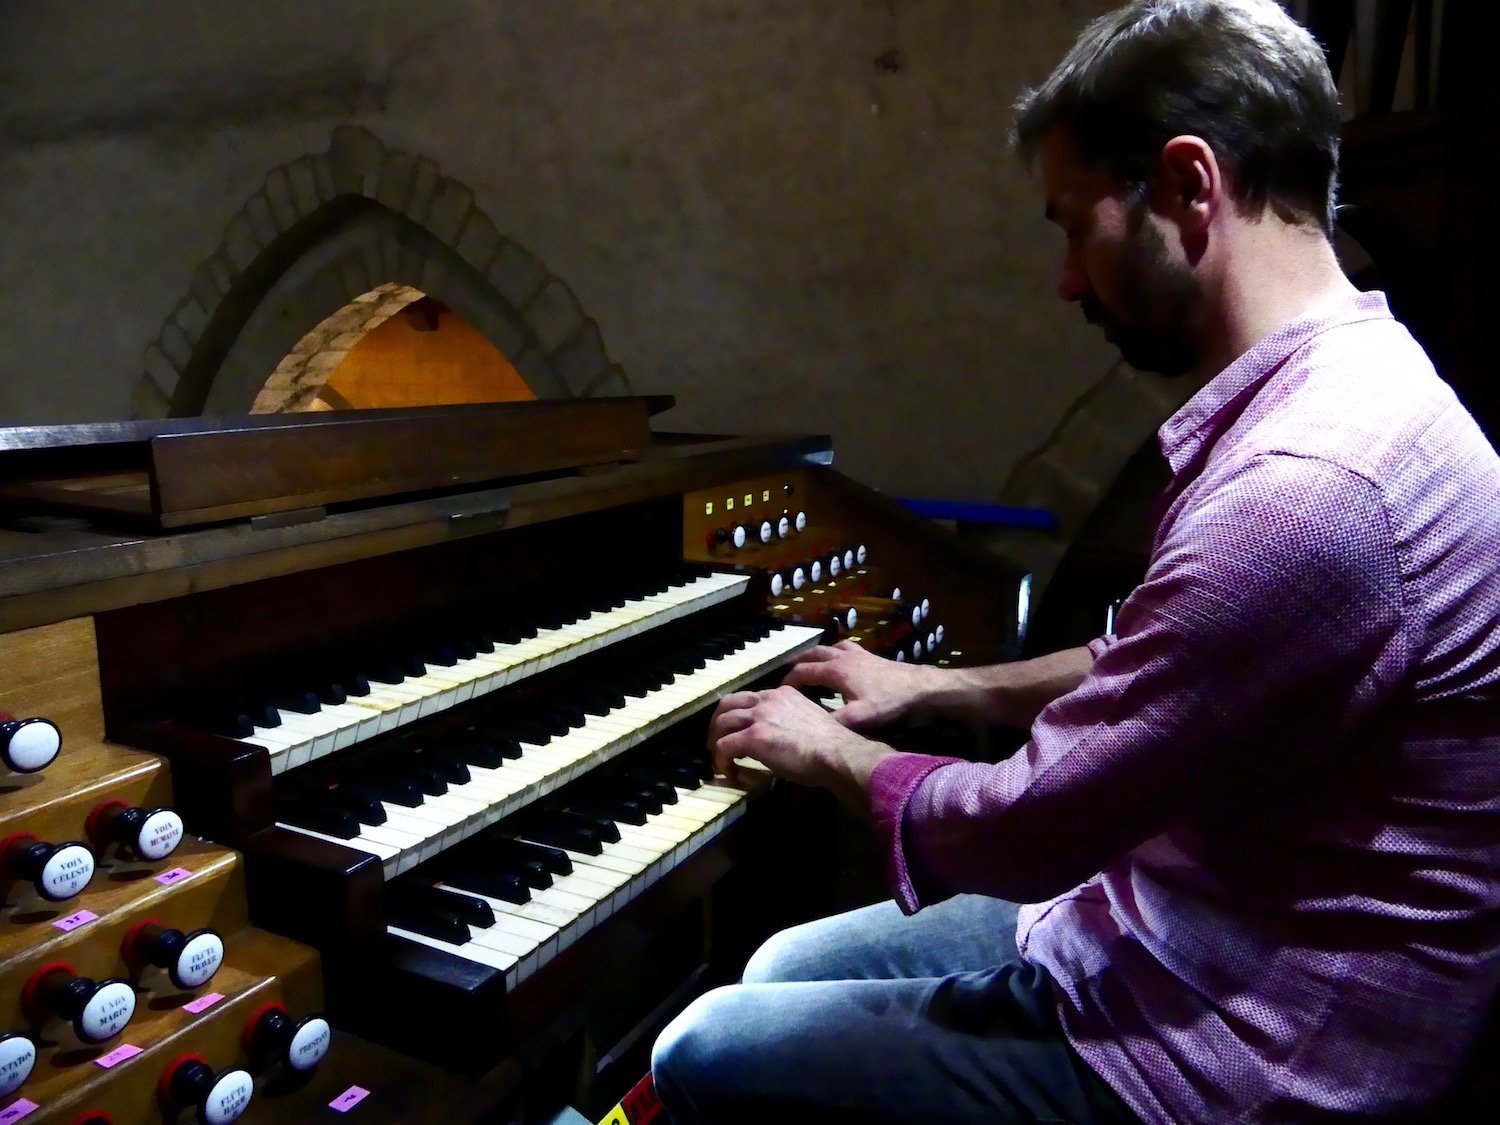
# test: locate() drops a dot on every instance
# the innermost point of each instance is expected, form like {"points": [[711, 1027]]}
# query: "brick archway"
{"points": [[329, 227]]}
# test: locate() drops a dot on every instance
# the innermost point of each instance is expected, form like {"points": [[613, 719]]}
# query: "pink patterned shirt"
{"points": [[1270, 814]]}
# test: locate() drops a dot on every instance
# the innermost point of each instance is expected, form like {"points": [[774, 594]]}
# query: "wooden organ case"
{"points": [[434, 683]]}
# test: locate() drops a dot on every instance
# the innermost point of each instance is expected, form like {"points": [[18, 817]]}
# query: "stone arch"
{"points": [[326, 229]]}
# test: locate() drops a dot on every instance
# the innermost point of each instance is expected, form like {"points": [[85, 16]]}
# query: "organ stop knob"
{"points": [[98, 1010], [28, 745], [57, 871], [150, 833], [191, 960], [299, 1045], [17, 1057], [219, 1098]]}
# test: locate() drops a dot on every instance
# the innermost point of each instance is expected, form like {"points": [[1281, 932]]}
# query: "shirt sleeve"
{"points": [[1269, 625]]}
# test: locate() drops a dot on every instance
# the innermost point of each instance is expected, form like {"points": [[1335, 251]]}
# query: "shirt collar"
{"points": [[1204, 416]]}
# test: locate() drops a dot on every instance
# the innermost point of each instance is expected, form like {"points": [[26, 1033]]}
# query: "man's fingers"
{"points": [[811, 675], [728, 722], [737, 701], [726, 750], [818, 654], [860, 713]]}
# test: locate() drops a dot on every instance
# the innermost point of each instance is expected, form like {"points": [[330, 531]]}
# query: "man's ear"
{"points": [[1190, 183]]}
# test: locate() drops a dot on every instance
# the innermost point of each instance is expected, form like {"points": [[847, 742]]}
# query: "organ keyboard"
{"points": [[452, 722]]}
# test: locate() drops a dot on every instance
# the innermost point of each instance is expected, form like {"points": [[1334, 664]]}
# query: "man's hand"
{"points": [[876, 691], [795, 737]]}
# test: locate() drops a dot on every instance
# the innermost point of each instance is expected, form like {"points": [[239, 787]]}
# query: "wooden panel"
{"points": [[121, 897], [53, 672], [219, 475], [65, 1084], [71, 573], [54, 803]]}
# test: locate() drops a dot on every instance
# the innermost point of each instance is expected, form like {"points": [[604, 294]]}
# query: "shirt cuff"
{"points": [[892, 785], [1099, 644]]}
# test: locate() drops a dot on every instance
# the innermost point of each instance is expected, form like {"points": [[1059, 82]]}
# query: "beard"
{"points": [[1157, 296]]}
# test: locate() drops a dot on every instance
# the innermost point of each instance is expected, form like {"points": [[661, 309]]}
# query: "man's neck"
{"points": [[1274, 273]]}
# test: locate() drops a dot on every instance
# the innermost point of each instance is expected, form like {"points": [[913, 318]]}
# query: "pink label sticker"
{"points": [[73, 921], [117, 1056], [349, 1099], [16, 1110], [176, 875], [203, 1003]]}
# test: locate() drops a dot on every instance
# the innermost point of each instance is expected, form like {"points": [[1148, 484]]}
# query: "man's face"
{"points": [[1119, 264]]}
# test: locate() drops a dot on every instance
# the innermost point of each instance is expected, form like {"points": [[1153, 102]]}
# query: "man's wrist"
{"points": [[846, 764]]}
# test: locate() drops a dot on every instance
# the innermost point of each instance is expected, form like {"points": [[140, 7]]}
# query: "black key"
{"points": [[565, 712], [552, 620], [554, 860], [421, 896], [394, 788], [572, 837], [479, 751], [411, 664], [602, 826], [442, 655], [382, 670], [523, 729], [664, 790], [449, 765], [622, 809], [234, 724], [431, 922], [495, 884], [365, 808], [259, 712], [699, 764], [585, 702], [637, 685], [511, 633], [302, 702], [425, 777], [494, 735], [532, 872], [647, 799], [332, 694], [327, 819]]}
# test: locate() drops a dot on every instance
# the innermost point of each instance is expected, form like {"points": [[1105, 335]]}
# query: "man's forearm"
{"points": [[1013, 694]]}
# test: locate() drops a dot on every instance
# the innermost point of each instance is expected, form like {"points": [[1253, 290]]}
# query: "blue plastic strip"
{"points": [[997, 515]]}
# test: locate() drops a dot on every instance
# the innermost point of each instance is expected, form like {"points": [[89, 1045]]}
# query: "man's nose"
{"points": [[1072, 282]]}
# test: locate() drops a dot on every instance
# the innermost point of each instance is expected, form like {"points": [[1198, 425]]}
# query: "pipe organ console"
{"points": [[434, 685]]}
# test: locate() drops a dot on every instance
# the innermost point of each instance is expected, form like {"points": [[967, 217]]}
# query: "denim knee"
{"points": [[775, 961], [690, 1050]]}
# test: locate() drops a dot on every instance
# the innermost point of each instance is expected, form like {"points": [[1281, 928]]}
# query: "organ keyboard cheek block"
{"points": [[415, 746]]}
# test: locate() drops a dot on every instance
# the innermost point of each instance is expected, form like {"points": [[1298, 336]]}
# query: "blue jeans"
{"points": [[873, 1016]]}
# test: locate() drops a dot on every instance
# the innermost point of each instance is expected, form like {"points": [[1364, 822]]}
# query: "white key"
{"points": [[388, 706], [443, 821]]}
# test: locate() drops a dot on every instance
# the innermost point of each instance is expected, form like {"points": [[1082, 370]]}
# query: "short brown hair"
{"points": [[1241, 74]]}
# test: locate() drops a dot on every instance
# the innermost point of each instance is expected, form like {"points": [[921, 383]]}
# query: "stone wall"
{"points": [[794, 216]]}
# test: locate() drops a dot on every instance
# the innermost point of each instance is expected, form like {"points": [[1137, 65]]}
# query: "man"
{"points": [[1259, 825]]}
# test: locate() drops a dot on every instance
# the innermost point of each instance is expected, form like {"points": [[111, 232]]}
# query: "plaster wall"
{"points": [[761, 220]]}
